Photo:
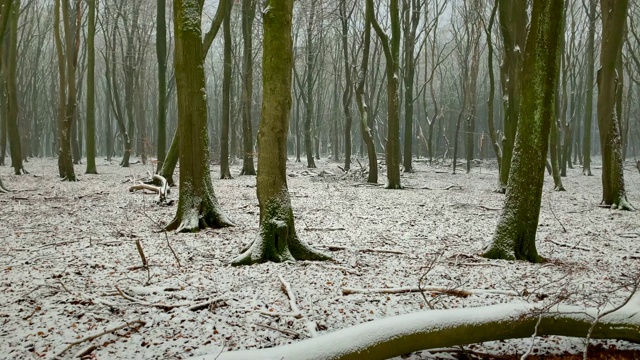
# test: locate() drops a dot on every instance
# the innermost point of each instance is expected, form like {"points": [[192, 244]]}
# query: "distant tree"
{"points": [[225, 173], [614, 14], [161, 55], [197, 205], [391, 48], [515, 233], [248, 15], [91, 91], [347, 95], [277, 239]]}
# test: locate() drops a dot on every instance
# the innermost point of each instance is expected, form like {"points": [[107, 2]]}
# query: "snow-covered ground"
{"points": [[70, 268]]}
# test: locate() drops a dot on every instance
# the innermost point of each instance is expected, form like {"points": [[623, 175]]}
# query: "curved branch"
{"points": [[394, 336]]}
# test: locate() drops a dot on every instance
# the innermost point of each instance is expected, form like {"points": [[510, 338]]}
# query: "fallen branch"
{"points": [[366, 250], [284, 331], [397, 335], [161, 190], [576, 246], [105, 332], [286, 288], [489, 208], [205, 305], [428, 289], [324, 229]]}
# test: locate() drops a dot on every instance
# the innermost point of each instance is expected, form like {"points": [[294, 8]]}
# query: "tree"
{"points": [[248, 15], [161, 55], [277, 239], [225, 173], [363, 107], [197, 205], [91, 97], [67, 64], [515, 233], [391, 48], [412, 11], [9, 64], [614, 14], [513, 24], [347, 95]]}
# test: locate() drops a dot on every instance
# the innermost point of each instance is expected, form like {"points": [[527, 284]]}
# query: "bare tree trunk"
{"points": [[248, 14]]}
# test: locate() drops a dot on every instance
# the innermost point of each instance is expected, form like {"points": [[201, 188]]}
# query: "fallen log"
{"points": [[394, 336]]}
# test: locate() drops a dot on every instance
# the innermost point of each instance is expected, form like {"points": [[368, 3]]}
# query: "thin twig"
{"points": [[284, 331], [286, 288], [564, 230], [97, 335]]}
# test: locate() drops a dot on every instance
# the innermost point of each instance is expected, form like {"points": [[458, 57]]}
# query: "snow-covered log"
{"points": [[394, 336], [161, 190]]}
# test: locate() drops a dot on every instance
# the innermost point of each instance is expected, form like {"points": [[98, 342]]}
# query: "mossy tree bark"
{"points": [[391, 48], [609, 89], [515, 234], [91, 91], [513, 24], [588, 112], [277, 239], [248, 15], [197, 205]]}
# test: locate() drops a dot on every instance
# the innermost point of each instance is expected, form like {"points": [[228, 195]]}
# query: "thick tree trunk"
{"points": [[277, 239], [197, 205], [403, 334], [609, 89], [515, 233]]}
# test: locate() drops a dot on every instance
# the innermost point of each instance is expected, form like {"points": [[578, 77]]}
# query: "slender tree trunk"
{"points": [[588, 115], [347, 95], [248, 14], [91, 91], [225, 173]]}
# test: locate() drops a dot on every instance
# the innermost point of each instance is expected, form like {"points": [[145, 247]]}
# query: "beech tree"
{"points": [[197, 205], [248, 15], [91, 98], [391, 48], [515, 233], [277, 238], [614, 14]]}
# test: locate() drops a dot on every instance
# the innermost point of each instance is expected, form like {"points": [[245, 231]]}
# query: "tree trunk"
{"points": [[248, 15], [515, 234], [588, 114], [609, 89], [513, 23], [91, 90], [347, 95], [277, 239], [10, 71], [197, 205], [225, 173], [161, 55]]}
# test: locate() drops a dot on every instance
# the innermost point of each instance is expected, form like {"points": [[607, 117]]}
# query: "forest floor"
{"points": [[70, 267]]}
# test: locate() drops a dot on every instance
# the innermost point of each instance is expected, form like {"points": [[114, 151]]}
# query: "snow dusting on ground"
{"points": [[71, 269]]}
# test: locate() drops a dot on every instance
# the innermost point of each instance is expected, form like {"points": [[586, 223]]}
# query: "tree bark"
{"points": [[197, 205], [277, 239], [515, 233], [225, 172], [248, 15], [588, 114], [161, 55], [609, 89], [91, 90]]}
